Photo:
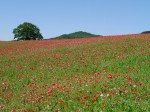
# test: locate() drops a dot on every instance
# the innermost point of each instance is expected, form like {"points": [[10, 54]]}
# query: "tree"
{"points": [[27, 31]]}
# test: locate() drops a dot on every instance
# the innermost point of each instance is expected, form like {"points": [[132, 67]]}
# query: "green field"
{"points": [[100, 74]]}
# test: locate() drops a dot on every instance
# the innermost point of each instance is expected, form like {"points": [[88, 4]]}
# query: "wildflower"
{"points": [[94, 98], [86, 97], [140, 84], [134, 89], [105, 105], [130, 83], [54, 85], [98, 94], [105, 85], [58, 110], [126, 91], [21, 111], [108, 95], [3, 83], [101, 95], [60, 102], [110, 76], [119, 89], [114, 88], [67, 91], [1, 107], [82, 102], [129, 79], [134, 86]]}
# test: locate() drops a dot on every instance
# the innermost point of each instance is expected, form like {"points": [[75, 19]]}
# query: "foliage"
{"points": [[109, 74], [27, 31], [145, 32], [79, 34]]}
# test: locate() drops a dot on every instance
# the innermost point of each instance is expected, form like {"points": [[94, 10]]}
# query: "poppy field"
{"points": [[99, 74]]}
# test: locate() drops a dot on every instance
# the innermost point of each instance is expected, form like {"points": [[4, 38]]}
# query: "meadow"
{"points": [[99, 74]]}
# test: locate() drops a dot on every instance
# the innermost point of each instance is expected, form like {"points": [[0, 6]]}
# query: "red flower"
{"points": [[126, 91], [129, 78], [1, 107], [67, 91], [119, 89], [24, 110], [82, 102], [110, 76], [54, 85], [105, 85], [105, 105], [60, 102], [86, 97], [94, 98]]}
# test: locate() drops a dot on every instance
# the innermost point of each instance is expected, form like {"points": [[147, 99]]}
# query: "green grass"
{"points": [[101, 75]]}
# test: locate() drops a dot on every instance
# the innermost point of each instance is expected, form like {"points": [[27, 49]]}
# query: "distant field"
{"points": [[100, 74]]}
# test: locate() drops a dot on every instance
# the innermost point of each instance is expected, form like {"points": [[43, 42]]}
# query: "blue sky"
{"points": [[56, 17]]}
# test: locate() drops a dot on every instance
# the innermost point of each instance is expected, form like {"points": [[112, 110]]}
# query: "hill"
{"points": [[78, 75], [145, 32], [79, 34]]}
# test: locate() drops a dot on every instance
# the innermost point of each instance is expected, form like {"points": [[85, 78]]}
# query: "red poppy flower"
{"points": [[110, 76], [105, 85], [86, 97], [60, 102], [94, 98], [82, 102]]}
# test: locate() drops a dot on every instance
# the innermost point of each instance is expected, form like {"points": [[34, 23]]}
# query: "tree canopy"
{"points": [[27, 31]]}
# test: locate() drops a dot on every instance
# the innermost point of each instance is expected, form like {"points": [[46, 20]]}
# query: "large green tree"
{"points": [[27, 31]]}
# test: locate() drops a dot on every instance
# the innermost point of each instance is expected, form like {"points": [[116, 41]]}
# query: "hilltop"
{"points": [[145, 32], [86, 74], [79, 34]]}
